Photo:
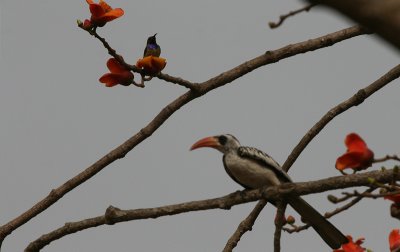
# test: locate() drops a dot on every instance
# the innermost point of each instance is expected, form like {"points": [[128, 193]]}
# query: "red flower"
{"points": [[394, 240], [395, 198], [152, 65], [119, 74], [357, 157], [102, 13], [352, 246]]}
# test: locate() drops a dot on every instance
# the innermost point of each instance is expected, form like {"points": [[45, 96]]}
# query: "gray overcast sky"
{"points": [[57, 119]]}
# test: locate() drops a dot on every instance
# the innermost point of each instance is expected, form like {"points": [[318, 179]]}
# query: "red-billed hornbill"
{"points": [[252, 168]]}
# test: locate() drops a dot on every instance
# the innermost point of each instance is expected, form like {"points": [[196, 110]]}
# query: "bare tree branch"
{"points": [[355, 100], [244, 226], [381, 16], [282, 18], [203, 88], [114, 215]]}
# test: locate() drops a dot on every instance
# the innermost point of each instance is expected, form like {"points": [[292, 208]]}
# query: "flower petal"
{"points": [[152, 65], [112, 14], [105, 6], [352, 246], [355, 143], [114, 66], [394, 240], [96, 10], [395, 198], [349, 160], [159, 63], [90, 1], [109, 79], [146, 61]]}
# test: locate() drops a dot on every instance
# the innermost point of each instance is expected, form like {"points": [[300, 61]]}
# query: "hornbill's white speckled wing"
{"points": [[265, 160]]}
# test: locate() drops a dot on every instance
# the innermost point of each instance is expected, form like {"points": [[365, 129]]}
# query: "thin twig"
{"points": [[244, 226], [372, 195], [330, 214], [203, 88], [279, 222], [282, 18], [336, 200], [349, 195], [114, 53], [114, 215], [386, 158], [355, 100], [350, 204]]}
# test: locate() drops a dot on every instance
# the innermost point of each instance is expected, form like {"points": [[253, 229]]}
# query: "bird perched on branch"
{"points": [[252, 168], [152, 48]]}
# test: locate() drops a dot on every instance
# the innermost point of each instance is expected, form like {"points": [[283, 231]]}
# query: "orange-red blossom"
{"points": [[352, 246], [395, 198], [101, 13], [394, 240], [119, 74], [151, 65], [357, 156]]}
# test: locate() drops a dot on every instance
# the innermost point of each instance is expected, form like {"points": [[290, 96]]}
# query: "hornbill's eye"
{"points": [[222, 139]]}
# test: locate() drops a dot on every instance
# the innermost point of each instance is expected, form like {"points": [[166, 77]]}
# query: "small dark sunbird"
{"points": [[152, 48]]}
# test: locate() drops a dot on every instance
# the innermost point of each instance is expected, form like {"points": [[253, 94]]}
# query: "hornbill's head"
{"points": [[224, 143]]}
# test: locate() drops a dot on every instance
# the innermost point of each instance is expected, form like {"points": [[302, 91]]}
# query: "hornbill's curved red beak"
{"points": [[206, 142]]}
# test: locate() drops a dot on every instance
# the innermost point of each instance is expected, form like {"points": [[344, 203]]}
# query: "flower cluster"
{"points": [[359, 157], [120, 72]]}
